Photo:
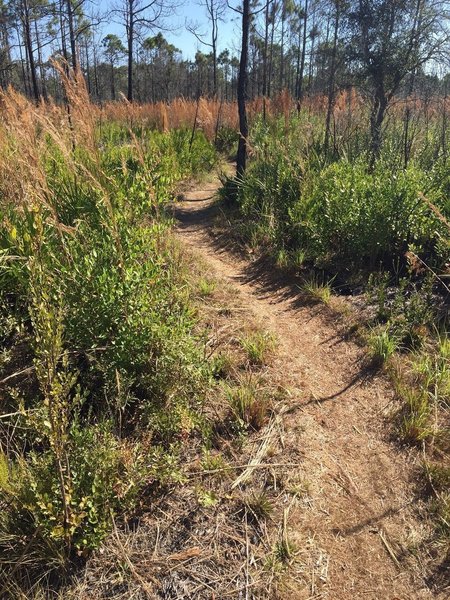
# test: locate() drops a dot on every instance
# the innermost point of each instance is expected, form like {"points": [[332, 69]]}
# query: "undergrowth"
{"points": [[103, 373]]}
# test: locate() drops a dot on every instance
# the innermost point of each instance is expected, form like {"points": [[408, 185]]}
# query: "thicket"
{"points": [[332, 208], [102, 372]]}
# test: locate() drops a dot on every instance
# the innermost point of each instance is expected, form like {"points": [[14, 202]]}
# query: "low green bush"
{"points": [[338, 213]]}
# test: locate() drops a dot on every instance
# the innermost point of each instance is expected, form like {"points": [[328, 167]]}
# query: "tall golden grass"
{"points": [[209, 114], [350, 111], [25, 129]]}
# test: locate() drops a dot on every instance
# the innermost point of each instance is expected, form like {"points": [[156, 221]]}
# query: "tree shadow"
{"points": [[439, 580], [370, 522], [364, 375], [187, 217]]}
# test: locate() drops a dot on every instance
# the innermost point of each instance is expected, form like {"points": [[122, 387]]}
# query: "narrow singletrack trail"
{"points": [[361, 521]]}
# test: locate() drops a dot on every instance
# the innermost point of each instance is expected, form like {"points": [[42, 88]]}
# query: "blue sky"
{"points": [[229, 31]]}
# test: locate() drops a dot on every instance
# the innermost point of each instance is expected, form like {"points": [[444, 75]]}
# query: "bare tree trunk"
{"points": [[63, 33], [379, 107], [130, 40], [113, 84], [41, 66], [242, 92], [214, 18], [407, 122], [73, 45], [444, 125], [23, 67], [96, 86], [283, 18], [88, 70], [29, 48], [302, 62], [4, 33], [269, 81], [266, 47], [331, 81]]}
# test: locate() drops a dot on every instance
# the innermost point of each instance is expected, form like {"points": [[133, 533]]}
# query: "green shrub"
{"points": [[93, 289], [337, 213], [368, 218]]}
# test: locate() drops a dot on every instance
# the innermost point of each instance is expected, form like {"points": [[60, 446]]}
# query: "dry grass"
{"points": [[210, 114]]}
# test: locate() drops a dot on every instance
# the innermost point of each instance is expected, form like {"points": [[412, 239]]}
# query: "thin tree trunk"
{"points": [[63, 34], [88, 69], [297, 70], [242, 92], [311, 64], [407, 122], [302, 62], [266, 47], [214, 47], [73, 45], [269, 81], [113, 84], [96, 86], [283, 17], [444, 125], [29, 47], [41, 66], [331, 82], [6, 77], [130, 40], [24, 73], [379, 107]]}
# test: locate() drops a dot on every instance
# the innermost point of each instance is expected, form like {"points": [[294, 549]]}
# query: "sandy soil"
{"points": [[360, 524]]}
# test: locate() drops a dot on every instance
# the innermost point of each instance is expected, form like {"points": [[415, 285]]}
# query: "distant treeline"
{"points": [[308, 47]]}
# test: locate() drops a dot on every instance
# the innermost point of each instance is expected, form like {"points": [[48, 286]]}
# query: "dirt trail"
{"points": [[360, 521]]}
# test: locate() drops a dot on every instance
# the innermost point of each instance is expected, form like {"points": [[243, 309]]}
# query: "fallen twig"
{"points": [[260, 454], [388, 548]]}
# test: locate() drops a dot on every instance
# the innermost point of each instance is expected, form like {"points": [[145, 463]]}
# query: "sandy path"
{"points": [[361, 520]]}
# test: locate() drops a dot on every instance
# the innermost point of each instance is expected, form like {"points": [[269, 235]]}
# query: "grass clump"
{"points": [[206, 287], [438, 476], [259, 506], [215, 464], [223, 364], [258, 346], [426, 398], [317, 289], [382, 345], [433, 370], [249, 405], [415, 423]]}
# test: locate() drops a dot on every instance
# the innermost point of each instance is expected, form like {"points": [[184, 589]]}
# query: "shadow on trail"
{"points": [[188, 218], [371, 522], [197, 213], [364, 375], [269, 283], [440, 577]]}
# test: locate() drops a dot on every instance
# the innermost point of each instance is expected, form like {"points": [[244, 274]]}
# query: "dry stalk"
{"points": [[256, 461]]}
